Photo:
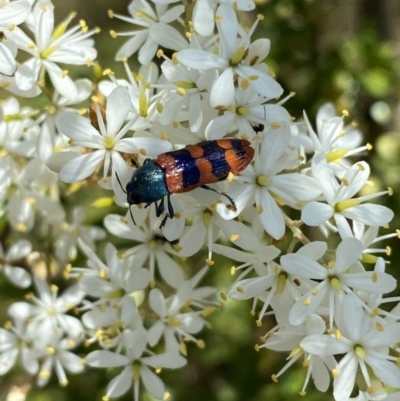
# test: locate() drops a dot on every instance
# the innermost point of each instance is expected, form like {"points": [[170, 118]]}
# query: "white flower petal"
{"points": [[203, 17], [167, 36], [316, 213], [106, 359], [120, 384], [271, 216], [153, 384], [223, 91], [344, 383], [369, 214], [117, 109], [200, 59], [81, 167], [18, 276]]}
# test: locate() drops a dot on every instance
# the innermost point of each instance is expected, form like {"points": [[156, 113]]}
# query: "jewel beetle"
{"points": [[185, 169]]}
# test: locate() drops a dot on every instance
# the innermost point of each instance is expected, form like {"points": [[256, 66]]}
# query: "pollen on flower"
{"points": [[306, 302], [374, 277], [274, 378], [314, 291], [257, 348], [64, 383], [210, 262], [360, 167], [262, 180], [167, 395], [108, 71], [234, 237], [335, 373], [244, 84], [31, 46], [379, 326], [338, 335], [233, 270], [64, 73], [260, 17], [218, 18], [258, 323], [223, 296], [201, 344], [240, 289], [21, 227], [345, 113], [44, 373], [275, 125], [11, 27], [360, 352], [54, 288], [259, 209], [345, 182], [208, 310], [50, 350], [112, 33], [302, 393]]}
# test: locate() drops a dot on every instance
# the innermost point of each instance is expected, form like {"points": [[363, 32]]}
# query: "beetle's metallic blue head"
{"points": [[147, 184]]}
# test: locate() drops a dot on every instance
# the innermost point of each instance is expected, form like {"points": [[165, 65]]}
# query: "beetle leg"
{"points": [[231, 206], [170, 207], [160, 208]]}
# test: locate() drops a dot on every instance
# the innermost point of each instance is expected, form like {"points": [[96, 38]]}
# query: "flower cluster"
{"points": [[137, 308]]}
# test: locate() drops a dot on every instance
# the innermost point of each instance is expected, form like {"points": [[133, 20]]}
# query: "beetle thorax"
{"points": [[147, 184]]}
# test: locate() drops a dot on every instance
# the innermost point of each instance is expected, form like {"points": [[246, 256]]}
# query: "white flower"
{"points": [[108, 143], [135, 365], [67, 238], [16, 342], [11, 14], [116, 279], [363, 346], [206, 227], [47, 312], [57, 356], [286, 337], [151, 247], [156, 31], [18, 276], [265, 183], [178, 320], [333, 280], [204, 13], [335, 140], [246, 109], [236, 57], [51, 46], [339, 197], [106, 323]]}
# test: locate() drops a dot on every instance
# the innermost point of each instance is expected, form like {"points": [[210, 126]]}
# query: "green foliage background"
{"points": [[344, 51]]}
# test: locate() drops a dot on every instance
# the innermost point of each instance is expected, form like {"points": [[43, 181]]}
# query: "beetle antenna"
{"points": [[119, 182], [130, 212]]}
